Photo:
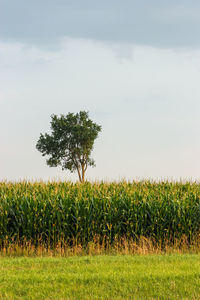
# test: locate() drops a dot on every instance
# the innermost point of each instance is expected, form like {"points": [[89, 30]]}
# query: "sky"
{"points": [[134, 65]]}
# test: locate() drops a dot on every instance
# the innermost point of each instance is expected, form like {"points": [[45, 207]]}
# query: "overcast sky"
{"points": [[134, 65]]}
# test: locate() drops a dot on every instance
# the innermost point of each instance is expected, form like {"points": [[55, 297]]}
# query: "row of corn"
{"points": [[54, 211]]}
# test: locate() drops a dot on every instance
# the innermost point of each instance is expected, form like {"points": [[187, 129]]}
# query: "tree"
{"points": [[70, 143]]}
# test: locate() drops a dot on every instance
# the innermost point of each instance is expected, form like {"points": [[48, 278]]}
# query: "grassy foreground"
{"points": [[101, 277]]}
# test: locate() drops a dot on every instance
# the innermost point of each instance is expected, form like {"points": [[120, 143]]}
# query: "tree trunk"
{"points": [[79, 175], [83, 173]]}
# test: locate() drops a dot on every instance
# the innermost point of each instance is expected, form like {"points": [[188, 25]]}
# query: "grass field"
{"points": [[101, 277]]}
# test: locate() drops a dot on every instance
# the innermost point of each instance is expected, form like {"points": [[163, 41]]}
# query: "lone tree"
{"points": [[70, 143]]}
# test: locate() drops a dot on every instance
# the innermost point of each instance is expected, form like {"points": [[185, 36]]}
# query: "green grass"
{"points": [[101, 277]]}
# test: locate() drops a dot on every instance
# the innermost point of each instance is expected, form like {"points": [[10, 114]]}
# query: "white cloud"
{"points": [[147, 100]]}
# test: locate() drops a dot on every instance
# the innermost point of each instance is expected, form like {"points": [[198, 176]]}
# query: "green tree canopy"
{"points": [[70, 143]]}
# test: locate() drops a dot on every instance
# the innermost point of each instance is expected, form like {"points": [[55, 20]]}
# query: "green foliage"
{"points": [[80, 212], [70, 143]]}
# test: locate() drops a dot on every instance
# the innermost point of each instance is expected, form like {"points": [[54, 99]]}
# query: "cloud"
{"points": [[147, 102], [171, 23]]}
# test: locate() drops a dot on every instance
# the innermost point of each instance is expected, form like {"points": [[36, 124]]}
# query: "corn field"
{"points": [[74, 212]]}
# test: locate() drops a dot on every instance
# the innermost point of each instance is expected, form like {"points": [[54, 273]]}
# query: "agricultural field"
{"points": [[125, 240], [98, 217]]}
